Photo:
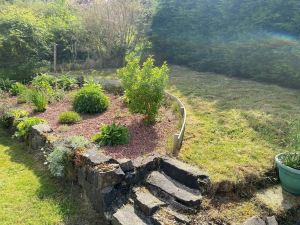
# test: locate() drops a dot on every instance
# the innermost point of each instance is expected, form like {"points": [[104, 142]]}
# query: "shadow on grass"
{"points": [[68, 197], [266, 108]]}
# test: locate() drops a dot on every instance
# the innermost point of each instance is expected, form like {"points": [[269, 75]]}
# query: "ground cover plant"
{"points": [[113, 134], [12, 116], [24, 125]]}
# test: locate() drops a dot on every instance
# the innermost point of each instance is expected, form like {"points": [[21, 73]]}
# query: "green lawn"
{"points": [[30, 196], [234, 127]]}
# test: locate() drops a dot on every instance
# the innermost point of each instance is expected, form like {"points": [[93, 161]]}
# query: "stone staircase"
{"points": [[168, 194]]}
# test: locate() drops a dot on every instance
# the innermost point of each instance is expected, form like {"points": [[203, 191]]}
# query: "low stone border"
{"points": [[178, 138], [115, 87]]}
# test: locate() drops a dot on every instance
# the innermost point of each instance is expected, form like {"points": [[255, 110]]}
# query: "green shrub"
{"points": [[57, 96], [24, 96], [12, 116], [292, 160], [112, 135], [59, 160], [66, 83], [24, 41], [40, 100], [90, 99], [6, 84], [17, 88], [45, 87], [144, 86], [24, 126], [42, 79], [69, 117]]}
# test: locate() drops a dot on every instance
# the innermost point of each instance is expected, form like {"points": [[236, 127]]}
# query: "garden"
{"points": [[147, 106], [138, 122]]}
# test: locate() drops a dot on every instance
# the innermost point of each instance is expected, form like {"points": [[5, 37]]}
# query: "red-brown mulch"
{"points": [[143, 139]]}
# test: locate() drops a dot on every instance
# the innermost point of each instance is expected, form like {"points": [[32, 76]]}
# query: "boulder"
{"points": [[144, 165], [271, 220], [255, 221], [93, 156], [126, 165], [190, 176], [37, 136]]}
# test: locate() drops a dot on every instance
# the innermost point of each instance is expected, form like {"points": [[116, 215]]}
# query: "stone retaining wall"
{"points": [[106, 182]]}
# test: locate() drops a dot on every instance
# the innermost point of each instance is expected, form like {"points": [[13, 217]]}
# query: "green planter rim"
{"points": [[290, 169]]}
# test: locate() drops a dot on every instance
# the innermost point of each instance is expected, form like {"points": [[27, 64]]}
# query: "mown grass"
{"points": [[30, 196], [234, 127]]}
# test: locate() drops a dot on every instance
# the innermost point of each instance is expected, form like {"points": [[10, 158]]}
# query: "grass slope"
{"points": [[234, 127], [30, 196]]}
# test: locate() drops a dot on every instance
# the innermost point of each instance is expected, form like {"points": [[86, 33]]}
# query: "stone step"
{"points": [[186, 174], [166, 216], [127, 216], [171, 191], [146, 202]]}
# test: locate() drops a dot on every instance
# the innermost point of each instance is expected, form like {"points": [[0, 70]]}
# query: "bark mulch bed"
{"points": [[144, 139]]}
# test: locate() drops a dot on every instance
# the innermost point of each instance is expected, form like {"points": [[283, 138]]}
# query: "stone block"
{"points": [[145, 165], [37, 137], [126, 165], [186, 174], [94, 156], [108, 177], [271, 220], [255, 221]]}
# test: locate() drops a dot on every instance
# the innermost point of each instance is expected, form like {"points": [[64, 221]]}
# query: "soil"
{"points": [[143, 138]]}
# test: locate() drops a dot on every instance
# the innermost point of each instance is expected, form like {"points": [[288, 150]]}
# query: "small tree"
{"points": [[144, 86]]}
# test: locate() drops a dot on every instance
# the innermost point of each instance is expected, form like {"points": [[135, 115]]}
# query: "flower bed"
{"points": [[143, 138]]}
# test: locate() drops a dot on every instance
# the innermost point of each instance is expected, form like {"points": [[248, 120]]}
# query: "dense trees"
{"points": [[27, 35], [246, 38], [92, 35]]}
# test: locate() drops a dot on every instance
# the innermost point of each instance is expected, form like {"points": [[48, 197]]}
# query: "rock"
{"points": [[169, 188], [144, 165], [126, 165], [167, 216], [276, 199], [146, 202], [255, 221], [108, 177], [37, 136], [42, 128], [186, 174], [94, 156], [271, 220], [127, 216]]}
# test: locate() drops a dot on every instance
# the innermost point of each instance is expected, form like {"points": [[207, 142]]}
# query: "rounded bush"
{"points": [[90, 99], [69, 117]]}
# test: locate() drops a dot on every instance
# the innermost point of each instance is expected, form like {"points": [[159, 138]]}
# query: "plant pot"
{"points": [[289, 177]]}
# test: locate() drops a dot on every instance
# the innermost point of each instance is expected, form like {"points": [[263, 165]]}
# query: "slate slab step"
{"points": [[166, 216], [161, 184], [186, 174], [127, 216], [146, 202]]}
